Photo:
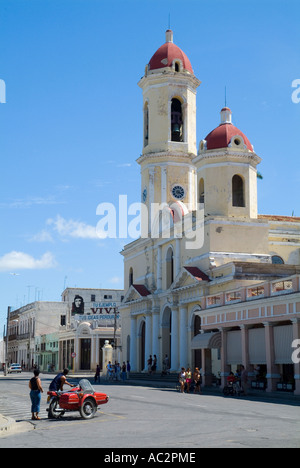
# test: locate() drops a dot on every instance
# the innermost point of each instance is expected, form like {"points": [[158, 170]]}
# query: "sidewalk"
{"points": [[10, 426]]}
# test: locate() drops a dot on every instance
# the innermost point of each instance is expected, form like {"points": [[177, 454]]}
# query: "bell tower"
{"points": [[169, 130], [227, 172]]}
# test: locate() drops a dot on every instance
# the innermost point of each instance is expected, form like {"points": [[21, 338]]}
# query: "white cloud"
{"points": [[21, 261], [116, 280], [71, 228], [31, 201], [42, 236]]}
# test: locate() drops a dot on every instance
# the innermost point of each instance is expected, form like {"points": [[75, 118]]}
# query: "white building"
{"points": [[92, 318]]}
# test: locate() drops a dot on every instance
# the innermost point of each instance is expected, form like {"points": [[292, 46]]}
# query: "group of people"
{"points": [[117, 372], [240, 379], [187, 378]]}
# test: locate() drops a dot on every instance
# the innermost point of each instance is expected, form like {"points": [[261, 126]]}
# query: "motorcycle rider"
{"points": [[59, 381]]}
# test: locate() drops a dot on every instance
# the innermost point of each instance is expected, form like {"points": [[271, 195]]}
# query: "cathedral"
{"points": [[210, 283]]}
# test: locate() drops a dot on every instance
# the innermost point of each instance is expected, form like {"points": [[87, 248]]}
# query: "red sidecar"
{"points": [[82, 398]]}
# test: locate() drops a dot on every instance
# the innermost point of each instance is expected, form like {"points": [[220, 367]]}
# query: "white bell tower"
{"points": [[169, 132]]}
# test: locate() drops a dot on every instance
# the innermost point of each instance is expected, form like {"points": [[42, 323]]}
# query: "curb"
{"points": [[6, 425]]}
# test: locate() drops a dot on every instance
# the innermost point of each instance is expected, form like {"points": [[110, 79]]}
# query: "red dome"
{"points": [[221, 136], [167, 53]]}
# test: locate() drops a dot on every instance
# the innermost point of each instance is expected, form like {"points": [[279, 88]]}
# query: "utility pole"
{"points": [[6, 341]]}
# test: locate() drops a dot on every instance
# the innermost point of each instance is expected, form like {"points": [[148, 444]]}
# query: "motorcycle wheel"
{"points": [[88, 409], [53, 412], [226, 391]]}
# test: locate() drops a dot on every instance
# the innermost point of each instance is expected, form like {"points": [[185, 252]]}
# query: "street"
{"points": [[142, 417]]}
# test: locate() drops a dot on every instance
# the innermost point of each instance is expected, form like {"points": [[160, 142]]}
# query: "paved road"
{"points": [[138, 417]]}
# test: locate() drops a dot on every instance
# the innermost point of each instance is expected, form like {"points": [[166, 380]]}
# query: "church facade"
{"points": [[210, 282]]}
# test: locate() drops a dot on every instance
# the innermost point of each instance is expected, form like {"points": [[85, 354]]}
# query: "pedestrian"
{"points": [[244, 380], [117, 371], [166, 365], [149, 364], [36, 390], [97, 374], [182, 379], [188, 377], [197, 380], [124, 371], [109, 373], [154, 364], [128, 369]]}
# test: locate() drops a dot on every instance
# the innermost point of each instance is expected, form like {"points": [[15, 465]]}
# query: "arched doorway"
{"points": [[166, 333]]}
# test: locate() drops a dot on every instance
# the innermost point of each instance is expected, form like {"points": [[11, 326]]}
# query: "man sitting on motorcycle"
{"points": [[231, 379], [59, 381]]}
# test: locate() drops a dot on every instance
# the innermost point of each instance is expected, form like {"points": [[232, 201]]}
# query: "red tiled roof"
{"points": [[197, 273], [289, 219], [141, 289]]}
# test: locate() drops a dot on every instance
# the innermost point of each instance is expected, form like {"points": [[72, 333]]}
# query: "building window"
{"points": [[176, 120], [233, 296], [282, 287], [276, 260], [63, 320], [170, 267], [238, 191], [255, 292], [213, 301], [93, 298], [201, 191], [130, 277]]}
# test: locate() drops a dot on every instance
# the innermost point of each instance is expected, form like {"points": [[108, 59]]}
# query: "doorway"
{"points": [[85, 354]]}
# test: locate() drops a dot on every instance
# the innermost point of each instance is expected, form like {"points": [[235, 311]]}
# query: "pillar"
{"points": [[225, 368], [296, 354], [174, 341], [133, 344], [155, 333], [183, 346], [273, 375], [148, 339], [159, 269]]}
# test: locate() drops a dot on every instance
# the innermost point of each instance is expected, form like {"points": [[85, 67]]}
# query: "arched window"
{"points": [[276, 260], [170, 267], [130, 277], [177, 67], [238, 191], [201, 191], [176, 120]]}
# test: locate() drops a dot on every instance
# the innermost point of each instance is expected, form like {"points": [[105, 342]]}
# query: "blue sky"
{"points": [[71, 126]]}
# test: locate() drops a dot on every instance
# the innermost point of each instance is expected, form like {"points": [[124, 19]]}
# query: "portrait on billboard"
{"points": [[78, 305]]}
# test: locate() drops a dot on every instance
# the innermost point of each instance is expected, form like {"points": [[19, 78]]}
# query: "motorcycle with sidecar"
{"points": [[82, 398]]}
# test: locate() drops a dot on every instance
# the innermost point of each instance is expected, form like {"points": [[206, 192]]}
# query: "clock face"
{"points": [[144, 195], [178, 192]]}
